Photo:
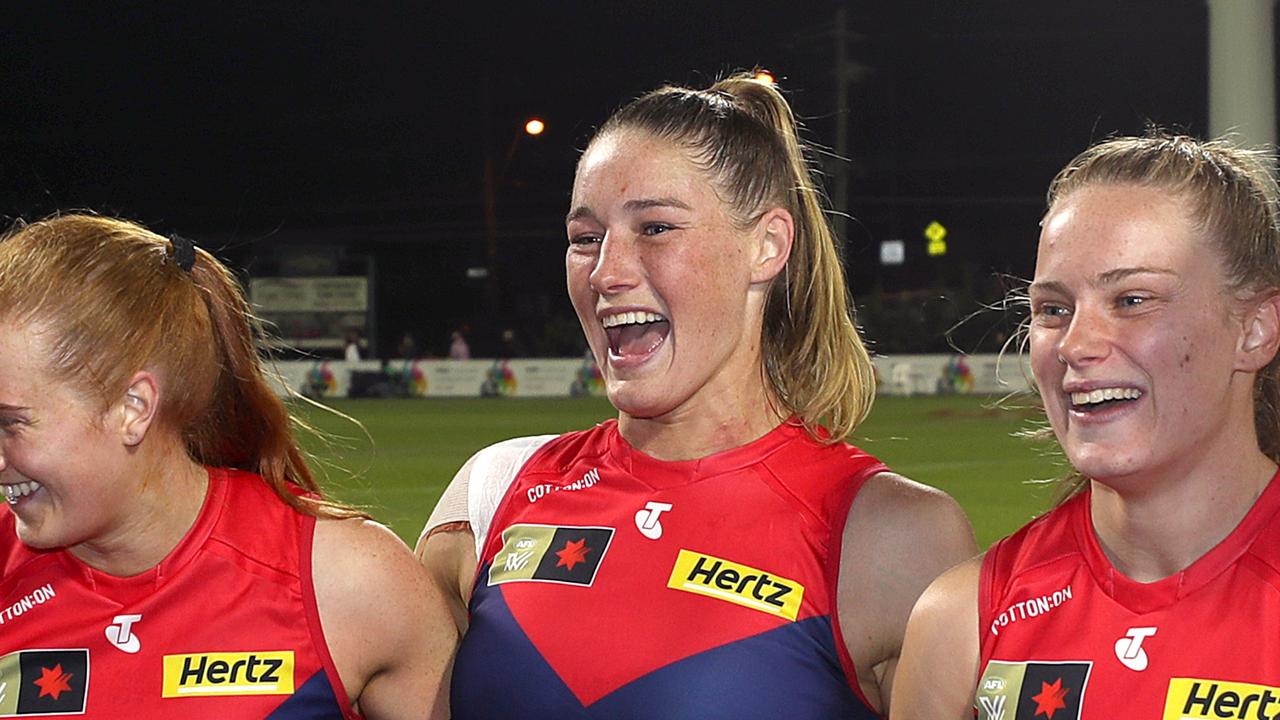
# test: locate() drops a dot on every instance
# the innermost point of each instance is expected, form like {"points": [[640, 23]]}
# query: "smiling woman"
{"points": [[733, 557], [1153, 335], [162, 528]]}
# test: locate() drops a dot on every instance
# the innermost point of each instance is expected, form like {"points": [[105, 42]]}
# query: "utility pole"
{"points": [[847, 72], [840, 198], [1242, 69]]}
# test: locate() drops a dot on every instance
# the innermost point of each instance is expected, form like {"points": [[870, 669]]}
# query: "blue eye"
{"points": [[585, 239], [656, 228]]}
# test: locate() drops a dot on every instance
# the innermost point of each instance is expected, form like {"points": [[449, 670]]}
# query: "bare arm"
{"points": [[448, 550], [939, 668], [394, 659], [447, 547], [899, 536], [449, 557]]}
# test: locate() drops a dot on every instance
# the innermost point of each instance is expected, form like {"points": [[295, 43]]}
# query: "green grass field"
{"points": [[960, 444]]}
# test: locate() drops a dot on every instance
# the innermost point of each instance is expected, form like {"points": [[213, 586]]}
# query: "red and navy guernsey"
{"points": [[613, 585], [1065, 635], [224, 627]]}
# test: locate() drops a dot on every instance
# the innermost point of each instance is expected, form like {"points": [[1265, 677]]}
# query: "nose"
{"points": [[1088, 338], [617, 267]]}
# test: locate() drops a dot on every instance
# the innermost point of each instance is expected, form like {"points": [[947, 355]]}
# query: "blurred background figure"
{"points": [[458, 347], [407, 348], [351, 351], [510, 346]]}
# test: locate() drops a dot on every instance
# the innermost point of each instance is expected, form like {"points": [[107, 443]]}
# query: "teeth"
{"points": [[1094, 397], [12, 493], [631, 318]]}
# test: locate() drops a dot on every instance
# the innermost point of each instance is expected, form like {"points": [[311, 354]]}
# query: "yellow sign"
{"points": [[936, 233], [228, 673], [739, 584]]}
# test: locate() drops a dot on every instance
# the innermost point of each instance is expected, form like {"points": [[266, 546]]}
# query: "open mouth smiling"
{"points": [[15, 492], [635, 334], [1102, 398]]}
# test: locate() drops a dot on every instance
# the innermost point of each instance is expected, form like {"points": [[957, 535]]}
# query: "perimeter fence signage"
{"points": [[567, 377]]}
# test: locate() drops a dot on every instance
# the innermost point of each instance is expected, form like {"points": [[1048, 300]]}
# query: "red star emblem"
{"points": [[53, 681], [1051, 698], [572, 554]]}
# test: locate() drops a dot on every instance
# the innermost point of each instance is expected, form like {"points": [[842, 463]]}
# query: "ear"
{"points": [[1261, 335], [777, 231], [139, 407]]}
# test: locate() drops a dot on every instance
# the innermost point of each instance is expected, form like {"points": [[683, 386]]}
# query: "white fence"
{"points": [[899, 375]]}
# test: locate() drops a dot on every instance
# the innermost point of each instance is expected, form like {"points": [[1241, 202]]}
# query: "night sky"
{"points": [[363, 128]]}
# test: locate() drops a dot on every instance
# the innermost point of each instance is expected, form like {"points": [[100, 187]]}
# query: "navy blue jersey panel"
{"points": [[313, 700], [779, 674], [499, 675], [791, 672]]}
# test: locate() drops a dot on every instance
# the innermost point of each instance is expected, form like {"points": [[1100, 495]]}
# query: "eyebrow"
{"points": [[644, 203], [630, 206], [1109, 277], [1113, 276]]}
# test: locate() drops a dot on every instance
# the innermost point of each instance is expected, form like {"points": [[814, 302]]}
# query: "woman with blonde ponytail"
{"points": [[717, 551], [166, 552], [1153, 589]]}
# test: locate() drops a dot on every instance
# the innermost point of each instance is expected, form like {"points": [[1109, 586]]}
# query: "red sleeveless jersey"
{"points": [[1064, 635], [225, 626], [614, 586]]}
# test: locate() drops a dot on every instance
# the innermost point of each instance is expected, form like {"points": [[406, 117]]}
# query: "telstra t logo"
{"points": [[120, 633], [647, 519], [1129, 648]]}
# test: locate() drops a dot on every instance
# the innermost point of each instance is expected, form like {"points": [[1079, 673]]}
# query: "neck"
{"points": [[167, 491], [1160, 528], [731, 419]]}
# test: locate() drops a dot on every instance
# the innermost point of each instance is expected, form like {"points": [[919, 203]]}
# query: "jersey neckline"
{"points": [[1140, 597], [661, 474], [133, 587]]}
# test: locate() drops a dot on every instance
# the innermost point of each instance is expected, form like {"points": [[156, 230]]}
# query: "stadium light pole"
{"points": [[493, 176]]}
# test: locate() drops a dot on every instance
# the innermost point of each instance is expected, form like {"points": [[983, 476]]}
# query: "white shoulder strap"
{"points": [[475, 492]]}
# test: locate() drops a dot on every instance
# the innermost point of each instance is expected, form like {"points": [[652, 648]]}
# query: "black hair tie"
{"points": [[184, 252]]}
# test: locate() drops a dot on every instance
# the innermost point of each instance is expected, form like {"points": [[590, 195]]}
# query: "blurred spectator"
{"points": [[511, 347], [352, 351], [408, 347], [458, 347]]}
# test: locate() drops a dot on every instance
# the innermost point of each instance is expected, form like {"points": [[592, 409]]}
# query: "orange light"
{"points": [[765, 76], [535, 126]]}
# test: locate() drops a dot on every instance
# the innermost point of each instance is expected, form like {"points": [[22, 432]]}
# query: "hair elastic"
{"points": [[184, 252]]}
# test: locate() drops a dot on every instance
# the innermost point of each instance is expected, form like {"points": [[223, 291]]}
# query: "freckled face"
{"points": [[1133, 344], [660, 277], [55, 450]]}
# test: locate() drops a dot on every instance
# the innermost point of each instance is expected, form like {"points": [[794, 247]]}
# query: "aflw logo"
{"points": [[993, 706], [520, 555], [238, 673]]}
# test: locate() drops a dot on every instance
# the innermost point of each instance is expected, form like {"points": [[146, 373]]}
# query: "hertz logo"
{"points": [[738, 584], [238, 673], [1194, 698]]}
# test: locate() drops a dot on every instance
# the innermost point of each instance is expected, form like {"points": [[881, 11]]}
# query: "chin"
{"points": [[35, 540], [635, 402], [1101, 465]]}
